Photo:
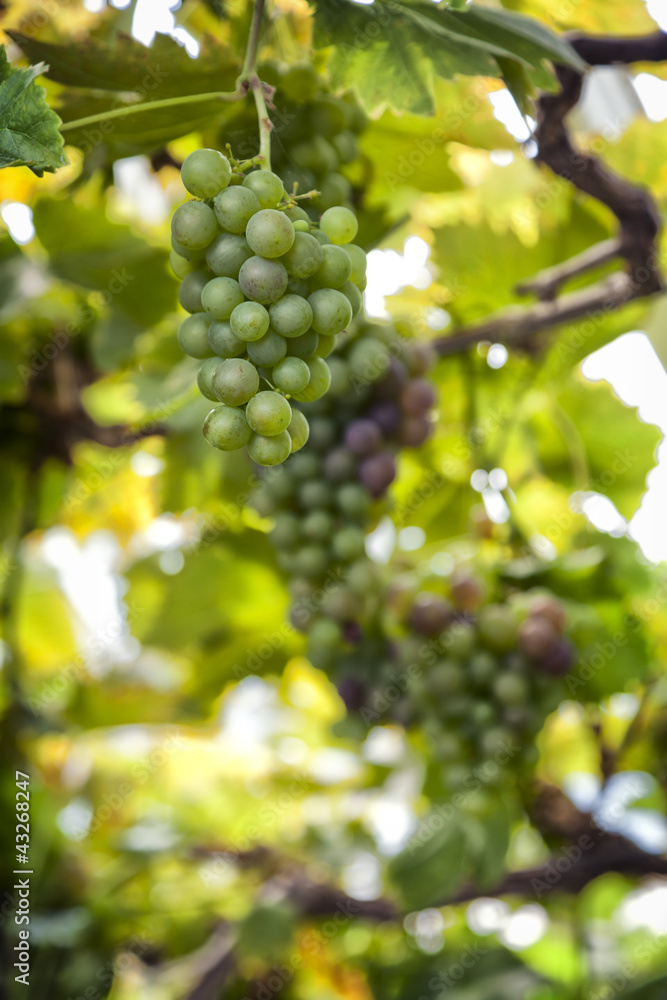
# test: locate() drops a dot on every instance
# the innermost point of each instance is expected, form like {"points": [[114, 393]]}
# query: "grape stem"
{"points": [[168, 102], [265, 124]]}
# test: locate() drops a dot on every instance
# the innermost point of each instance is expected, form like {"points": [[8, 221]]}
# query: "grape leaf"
{"points": [[29, 135]]}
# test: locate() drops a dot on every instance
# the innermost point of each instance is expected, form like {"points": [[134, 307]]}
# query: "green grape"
{"points": [[305, 256], [291, 316], [205, 172], [318, 155], [314, 494], [334, 190], [348, 543], [270, 450], [193, 335], [353, 295], [263, 280], [286, 531], [193, 225], [223, 342], [300, 82], [320, 380], [318, 526], [340, 224], [368, 359], [181, 266], [446, 678], [306, 466], [226, 428], [301, 226], [268, 413], [321, 237], [498, 626], [334, 270], [340, 376], [268, 351], [269, 233], [220, 296], [358, 261], [189, 254], [482, 668], [346, 145], [298, 286], [322, 433], [298, 430], [190, 289], [331, 311], [353, 500], [236, 381], [296, 214], [234, 208], [249, 321], [325, 345], [304, 346], [226, 254], [205, 378], [291, 375], [311, 560], [362, 577], [267, 186], [511, 689]]}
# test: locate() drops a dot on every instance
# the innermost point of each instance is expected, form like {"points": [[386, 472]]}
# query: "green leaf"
{"points": [[29, 135], [430, 867]]}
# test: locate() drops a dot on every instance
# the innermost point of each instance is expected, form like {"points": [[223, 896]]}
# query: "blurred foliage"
{"points": [[189, 767]]}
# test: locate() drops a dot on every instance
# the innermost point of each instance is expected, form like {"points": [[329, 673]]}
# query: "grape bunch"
{"points": [[483, 675], [267, 292], [326, 499]]}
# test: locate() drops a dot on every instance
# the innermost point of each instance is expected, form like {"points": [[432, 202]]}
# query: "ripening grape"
{"points": [[325, 345], [298, 430], [266, 185], [249, 321], [190, 289], [430, 614], [181, 266], [291, 316], [226, 254], [546, 606], [331, 311], [291, 375], [226, 428], [268, 413], [363, 437], [262, 280], [340, 224], [497, 626], [268, 351], [234, 207], [220, 296], [270, 450], [206, 172], [205, 378], [235, 381], [358, 264], [193, 335], [353, 295], [269, 233], [378, 472], [222, 341], [304, 257], [537, 637], [414, 431], [193, 225], [318, 383], [334, 270], [417, 397]]}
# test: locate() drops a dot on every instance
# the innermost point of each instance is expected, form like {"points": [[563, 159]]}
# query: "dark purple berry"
{"points": [[363, 437], [377, 473]]}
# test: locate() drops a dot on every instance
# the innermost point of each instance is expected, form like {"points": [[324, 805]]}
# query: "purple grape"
{"points": [[430, 614], [418, 357], [378, 472], [559, 659], [363, 437], [387, 416], [390, 385], [418, 397], [352, 692], [415, 431], [353, 633]]}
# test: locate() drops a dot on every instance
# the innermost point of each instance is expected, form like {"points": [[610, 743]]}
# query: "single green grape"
{"points": [[194, 255], [298, 430], [353, 500], [263, 280], [220, 296], [267, 186], [301, 226], [193, 225], [318, 526], [298, 286], [333, 190], [222, 340], [268, 413], [346, 145], [319, 382], [368, 359], [353, 295], [270, 450], [304, 346], [226, 428], [267, 351], [291, 316], [193, 335], [226, 254], [340, 224], [305, 256], [311, 561], [190, 289], [331, 311], [181, 266], [296, 214], [269, 233], [334, 270], [358, 261], [348, 543], [249, 321], [320, 236], [286, 531], [205, 172], [325, 346], [291, 375], [314, 494], [205, 378], [234, 207], [235, 381]]}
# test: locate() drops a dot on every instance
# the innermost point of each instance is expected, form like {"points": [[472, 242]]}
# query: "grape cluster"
{"points": [[326, 499], [481, 674], [267, 293]]}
